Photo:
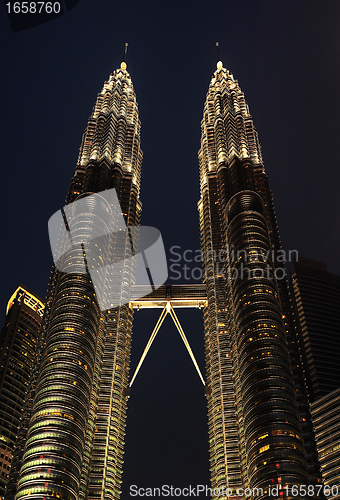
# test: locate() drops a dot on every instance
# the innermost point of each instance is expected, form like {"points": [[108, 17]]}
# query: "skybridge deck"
{"points": [[191, 295]]}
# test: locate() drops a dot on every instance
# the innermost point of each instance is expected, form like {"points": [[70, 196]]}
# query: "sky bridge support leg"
{"points": [[167, 309]]}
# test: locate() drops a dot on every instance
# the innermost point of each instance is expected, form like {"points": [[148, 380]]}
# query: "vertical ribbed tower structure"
{"points": [[75, 438], [18, 339], [259, 421]]}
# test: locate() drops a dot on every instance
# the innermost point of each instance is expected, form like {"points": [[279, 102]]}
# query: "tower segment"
{"points": [[259, 420], [75, 438]]}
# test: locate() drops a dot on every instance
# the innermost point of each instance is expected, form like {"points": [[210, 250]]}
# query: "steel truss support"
{"points": [[168, 309]]}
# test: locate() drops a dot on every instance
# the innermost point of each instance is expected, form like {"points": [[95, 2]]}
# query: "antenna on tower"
{"points": [[219, 62], [218, 51], [123, 64]]}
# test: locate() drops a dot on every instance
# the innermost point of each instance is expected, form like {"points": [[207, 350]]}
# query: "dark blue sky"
{"points": [[285, 56]]}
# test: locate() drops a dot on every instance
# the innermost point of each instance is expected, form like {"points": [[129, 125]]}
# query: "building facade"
{"points": [[260, 429], [316, 299], [73, 447], [315, 296], [18, 341], [325, 412]]}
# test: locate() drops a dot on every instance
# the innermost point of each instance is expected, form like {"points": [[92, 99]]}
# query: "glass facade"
{"points": [[315, 295], [325, 412]]}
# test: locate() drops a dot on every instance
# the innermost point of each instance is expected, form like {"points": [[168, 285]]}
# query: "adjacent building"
{"points": [[326, 419], [316, 304], [18, 341], [315, 297]]}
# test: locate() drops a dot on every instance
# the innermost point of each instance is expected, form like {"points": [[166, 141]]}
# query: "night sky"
{"points": [[285, 56]]}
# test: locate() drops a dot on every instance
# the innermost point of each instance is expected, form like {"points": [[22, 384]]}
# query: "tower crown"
{"points": [[113, 131], [227, 125]]}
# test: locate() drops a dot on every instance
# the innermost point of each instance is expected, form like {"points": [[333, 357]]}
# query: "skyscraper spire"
{"points": [[218, 51], [123, 64]]}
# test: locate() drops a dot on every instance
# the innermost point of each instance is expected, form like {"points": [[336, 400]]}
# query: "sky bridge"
{"points": [[167, 297]]}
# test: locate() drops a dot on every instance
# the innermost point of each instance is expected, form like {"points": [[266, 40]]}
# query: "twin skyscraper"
{"points": [[71, 441]]}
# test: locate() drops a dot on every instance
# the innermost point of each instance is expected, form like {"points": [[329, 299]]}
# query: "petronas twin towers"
{"points": [[71, 441]]}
